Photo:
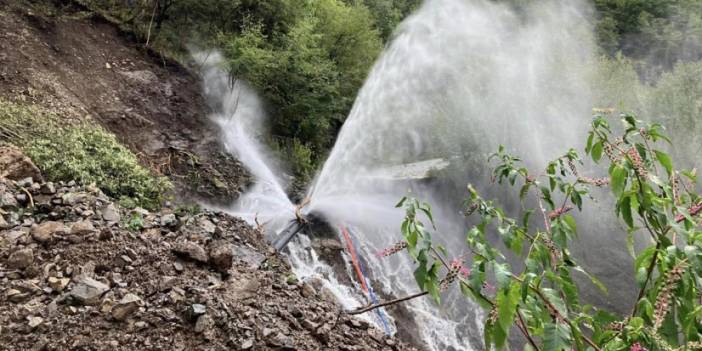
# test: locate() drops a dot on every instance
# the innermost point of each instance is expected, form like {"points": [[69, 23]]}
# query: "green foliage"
{"points": [[661, 32], [92, 155], [388, 13], [539, 295], [135, 222], [84, 153]]}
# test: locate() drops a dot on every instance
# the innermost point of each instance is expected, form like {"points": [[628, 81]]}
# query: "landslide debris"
{"points": [[77, 272]]}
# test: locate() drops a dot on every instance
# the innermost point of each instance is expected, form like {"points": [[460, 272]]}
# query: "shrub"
{"points": [[81, 152], [92, 155]]}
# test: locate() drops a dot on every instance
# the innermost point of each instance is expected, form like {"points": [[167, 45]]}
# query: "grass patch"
{"points": [[82, 152]]}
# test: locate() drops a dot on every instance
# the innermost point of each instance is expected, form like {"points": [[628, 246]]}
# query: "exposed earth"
{"points": [[76, 64]]}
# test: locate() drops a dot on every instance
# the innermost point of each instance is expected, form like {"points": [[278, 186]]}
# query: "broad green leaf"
{"points": [[625, 211], [502, 274], [665, 161], [618, 175], [597, 151], [556, 337]]}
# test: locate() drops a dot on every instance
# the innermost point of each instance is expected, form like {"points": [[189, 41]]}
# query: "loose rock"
{"points": [[21, 259], [191, 250], [222, 256], [45, 232], [88, 291], [125, 307]]}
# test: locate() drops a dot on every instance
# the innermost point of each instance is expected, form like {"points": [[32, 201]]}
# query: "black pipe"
{"points": [[286, 235]]}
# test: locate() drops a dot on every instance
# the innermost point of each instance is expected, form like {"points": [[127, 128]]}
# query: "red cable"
{"points": [[354, 259]]}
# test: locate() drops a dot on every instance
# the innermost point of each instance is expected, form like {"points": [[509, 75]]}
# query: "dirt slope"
{"points": [[78, 65]]}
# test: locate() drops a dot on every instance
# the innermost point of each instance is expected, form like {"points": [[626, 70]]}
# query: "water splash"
{"points": [[241, 117]]}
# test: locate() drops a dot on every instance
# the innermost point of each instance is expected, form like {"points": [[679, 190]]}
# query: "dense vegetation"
{"points": [[307, 58], [657, 32], [80, 152], [539, 295]]}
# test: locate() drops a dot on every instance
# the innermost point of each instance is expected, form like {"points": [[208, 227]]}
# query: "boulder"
{"points": [[82, 228], [44, 232], [222, 256], [191, 250], [169, 220], [110, 214], [15, 165]]}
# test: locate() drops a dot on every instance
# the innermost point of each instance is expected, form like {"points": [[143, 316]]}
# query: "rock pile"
{"points": [[79, 272]]}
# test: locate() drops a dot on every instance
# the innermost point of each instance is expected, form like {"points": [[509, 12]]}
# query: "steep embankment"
{"points": [[71, 62]]}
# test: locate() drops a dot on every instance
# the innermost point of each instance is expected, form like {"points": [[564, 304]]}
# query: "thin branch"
{"points": [[523, 327], [153, 13], [386, 303]]}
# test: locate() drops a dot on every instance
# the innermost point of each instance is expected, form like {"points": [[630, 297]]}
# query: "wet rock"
{"points": [[88, 291], [191, 250], [21, 259], [110, 214], [45, 232], [250, 257], [125, 307], [357, 323], [15, 165], [222, 256], [308, 290]]}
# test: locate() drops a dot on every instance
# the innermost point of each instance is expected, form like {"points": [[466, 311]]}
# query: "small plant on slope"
{"points": [[541, 300]]}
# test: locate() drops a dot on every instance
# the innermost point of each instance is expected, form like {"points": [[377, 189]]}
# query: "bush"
{"points": [[93, 155], [81, 152]]}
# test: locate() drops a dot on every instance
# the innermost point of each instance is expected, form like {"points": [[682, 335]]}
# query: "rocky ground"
{"points": [[74, 63], [77, 272]]}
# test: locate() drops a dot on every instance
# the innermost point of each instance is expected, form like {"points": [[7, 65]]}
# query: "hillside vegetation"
{"points": [[309, 58]]}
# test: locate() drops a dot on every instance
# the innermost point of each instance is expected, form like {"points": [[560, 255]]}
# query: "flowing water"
{"points": [[459, 78]]}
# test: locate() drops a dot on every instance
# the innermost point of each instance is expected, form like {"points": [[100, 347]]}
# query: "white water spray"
{"points": [[459, 78]]}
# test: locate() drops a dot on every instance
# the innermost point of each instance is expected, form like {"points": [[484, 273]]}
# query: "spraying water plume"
{"points": [[459, 78]]}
